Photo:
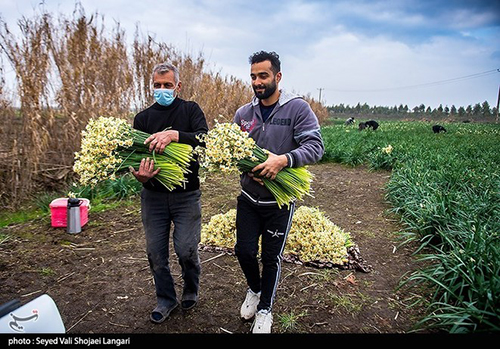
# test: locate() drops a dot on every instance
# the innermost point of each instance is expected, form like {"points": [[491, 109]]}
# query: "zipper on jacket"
{"points": [[275, 110]]}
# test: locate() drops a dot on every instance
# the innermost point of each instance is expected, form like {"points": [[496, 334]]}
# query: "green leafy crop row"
{"points": [[446, 189]]}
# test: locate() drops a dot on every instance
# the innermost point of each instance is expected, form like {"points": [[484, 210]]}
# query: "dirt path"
{"points": [[101, 282]]}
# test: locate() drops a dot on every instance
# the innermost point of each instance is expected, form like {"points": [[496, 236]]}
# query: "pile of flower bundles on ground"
{"points": [[110, 145], [220, 231], [313, 238], [229, 149]]}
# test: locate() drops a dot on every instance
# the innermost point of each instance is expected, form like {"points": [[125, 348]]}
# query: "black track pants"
{"points": [[273, 224]]}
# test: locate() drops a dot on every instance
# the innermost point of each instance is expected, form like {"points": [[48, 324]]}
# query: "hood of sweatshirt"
{"points": [[285, 97]]}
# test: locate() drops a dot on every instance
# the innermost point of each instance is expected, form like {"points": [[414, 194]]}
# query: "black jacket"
{"points": [[183, 116]]}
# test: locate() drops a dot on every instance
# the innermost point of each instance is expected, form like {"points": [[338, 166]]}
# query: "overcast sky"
{"points": [[381, 52]]}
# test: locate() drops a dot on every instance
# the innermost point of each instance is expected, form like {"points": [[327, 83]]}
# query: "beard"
{"points": [[268, 90]]}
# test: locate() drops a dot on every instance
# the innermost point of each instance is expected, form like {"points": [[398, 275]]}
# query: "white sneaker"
{"points": [[249, 306], [263, 322]]}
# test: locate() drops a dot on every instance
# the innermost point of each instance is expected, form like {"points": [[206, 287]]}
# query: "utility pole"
{"points": [[498, 102], [321, 89]]}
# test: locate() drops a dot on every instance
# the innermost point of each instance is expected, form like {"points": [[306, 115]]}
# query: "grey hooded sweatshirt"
{"points": [[291, 129]]}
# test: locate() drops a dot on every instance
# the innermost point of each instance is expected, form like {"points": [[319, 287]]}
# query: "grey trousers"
{"points": [[159, 210]]}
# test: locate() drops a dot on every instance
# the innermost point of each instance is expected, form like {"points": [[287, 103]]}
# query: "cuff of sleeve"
{"points": [[289, 156], [182, 138]]}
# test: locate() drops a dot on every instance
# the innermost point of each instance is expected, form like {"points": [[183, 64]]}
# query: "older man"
{"points": [[171, 119]]}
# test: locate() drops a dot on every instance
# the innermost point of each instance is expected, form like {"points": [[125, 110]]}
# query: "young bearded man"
{"points": [[285, 125]]}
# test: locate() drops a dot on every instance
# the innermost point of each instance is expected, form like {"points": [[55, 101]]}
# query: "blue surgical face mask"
{"points": [[164, 96]]}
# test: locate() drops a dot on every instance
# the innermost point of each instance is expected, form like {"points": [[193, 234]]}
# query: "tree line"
{"points": [[478, 110]]}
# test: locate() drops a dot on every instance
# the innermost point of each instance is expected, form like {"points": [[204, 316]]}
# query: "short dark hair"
{"points": [[262, 56], [163, 68]]}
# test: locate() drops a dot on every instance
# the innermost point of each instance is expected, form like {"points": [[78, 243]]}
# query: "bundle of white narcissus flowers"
{"points": [[229, 149], [220, 231], [312, 237], [110, 145]]}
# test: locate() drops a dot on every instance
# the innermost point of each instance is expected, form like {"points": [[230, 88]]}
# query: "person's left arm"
{"points": [[307, 135], [198, 124], [310, 150]]}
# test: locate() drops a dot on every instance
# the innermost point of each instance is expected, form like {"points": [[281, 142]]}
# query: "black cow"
{"points": [[438, 129]]}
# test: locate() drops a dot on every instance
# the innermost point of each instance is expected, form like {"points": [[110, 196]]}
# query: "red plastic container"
{"points": [[59, 212]]}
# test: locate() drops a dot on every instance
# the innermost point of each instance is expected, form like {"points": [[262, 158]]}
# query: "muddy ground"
{"points": [[101, 283]]}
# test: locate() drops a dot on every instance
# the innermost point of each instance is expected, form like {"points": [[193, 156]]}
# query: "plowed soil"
{"points": [[101, 282]]}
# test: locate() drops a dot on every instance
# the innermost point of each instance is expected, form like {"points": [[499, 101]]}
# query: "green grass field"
{"points": [[446, 189]]}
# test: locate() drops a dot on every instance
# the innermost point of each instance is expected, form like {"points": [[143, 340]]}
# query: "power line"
{"points": [[429, 84]]}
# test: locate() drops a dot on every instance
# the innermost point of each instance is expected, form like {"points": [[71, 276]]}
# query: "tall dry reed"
{"points": [[30, 59], [7, 132], [71, 69]]}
